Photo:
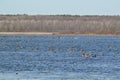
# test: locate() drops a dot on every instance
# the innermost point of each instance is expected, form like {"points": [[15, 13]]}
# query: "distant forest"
{"points": [[60, 23]]}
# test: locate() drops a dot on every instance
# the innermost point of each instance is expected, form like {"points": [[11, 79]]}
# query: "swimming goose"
{"points": [[88, 55]]}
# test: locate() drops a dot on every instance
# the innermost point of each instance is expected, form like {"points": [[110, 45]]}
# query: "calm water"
{"points": [[51, 57]]}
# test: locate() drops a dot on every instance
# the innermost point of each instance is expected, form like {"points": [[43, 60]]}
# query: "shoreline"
{"points": [[27, 33], [57, 33]]}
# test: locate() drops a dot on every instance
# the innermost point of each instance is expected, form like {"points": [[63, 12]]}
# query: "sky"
{"points": [[60, 7]]}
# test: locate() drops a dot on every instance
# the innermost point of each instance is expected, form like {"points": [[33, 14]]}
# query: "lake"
{"points": [[59, 57]]}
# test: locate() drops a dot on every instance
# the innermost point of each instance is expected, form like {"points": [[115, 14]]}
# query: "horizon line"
{"points": [[57, 15]]}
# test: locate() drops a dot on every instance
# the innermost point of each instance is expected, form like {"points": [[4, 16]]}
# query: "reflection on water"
{"points": [[51, 57]]}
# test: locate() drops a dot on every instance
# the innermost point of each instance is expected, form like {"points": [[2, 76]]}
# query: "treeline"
{"points": [[59, 23]]}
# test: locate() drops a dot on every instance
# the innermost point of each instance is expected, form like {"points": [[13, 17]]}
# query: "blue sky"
{"points": [[51, 7]]}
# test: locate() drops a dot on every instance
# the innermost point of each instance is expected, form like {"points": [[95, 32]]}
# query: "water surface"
{"points": [[52, 57]]}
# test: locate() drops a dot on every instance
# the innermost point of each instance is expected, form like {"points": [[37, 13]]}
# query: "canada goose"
{"points": [[88, 55], [93, 55]]}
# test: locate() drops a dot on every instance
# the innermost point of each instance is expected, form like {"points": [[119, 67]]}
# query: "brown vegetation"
{"points": [[63, 24]]}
